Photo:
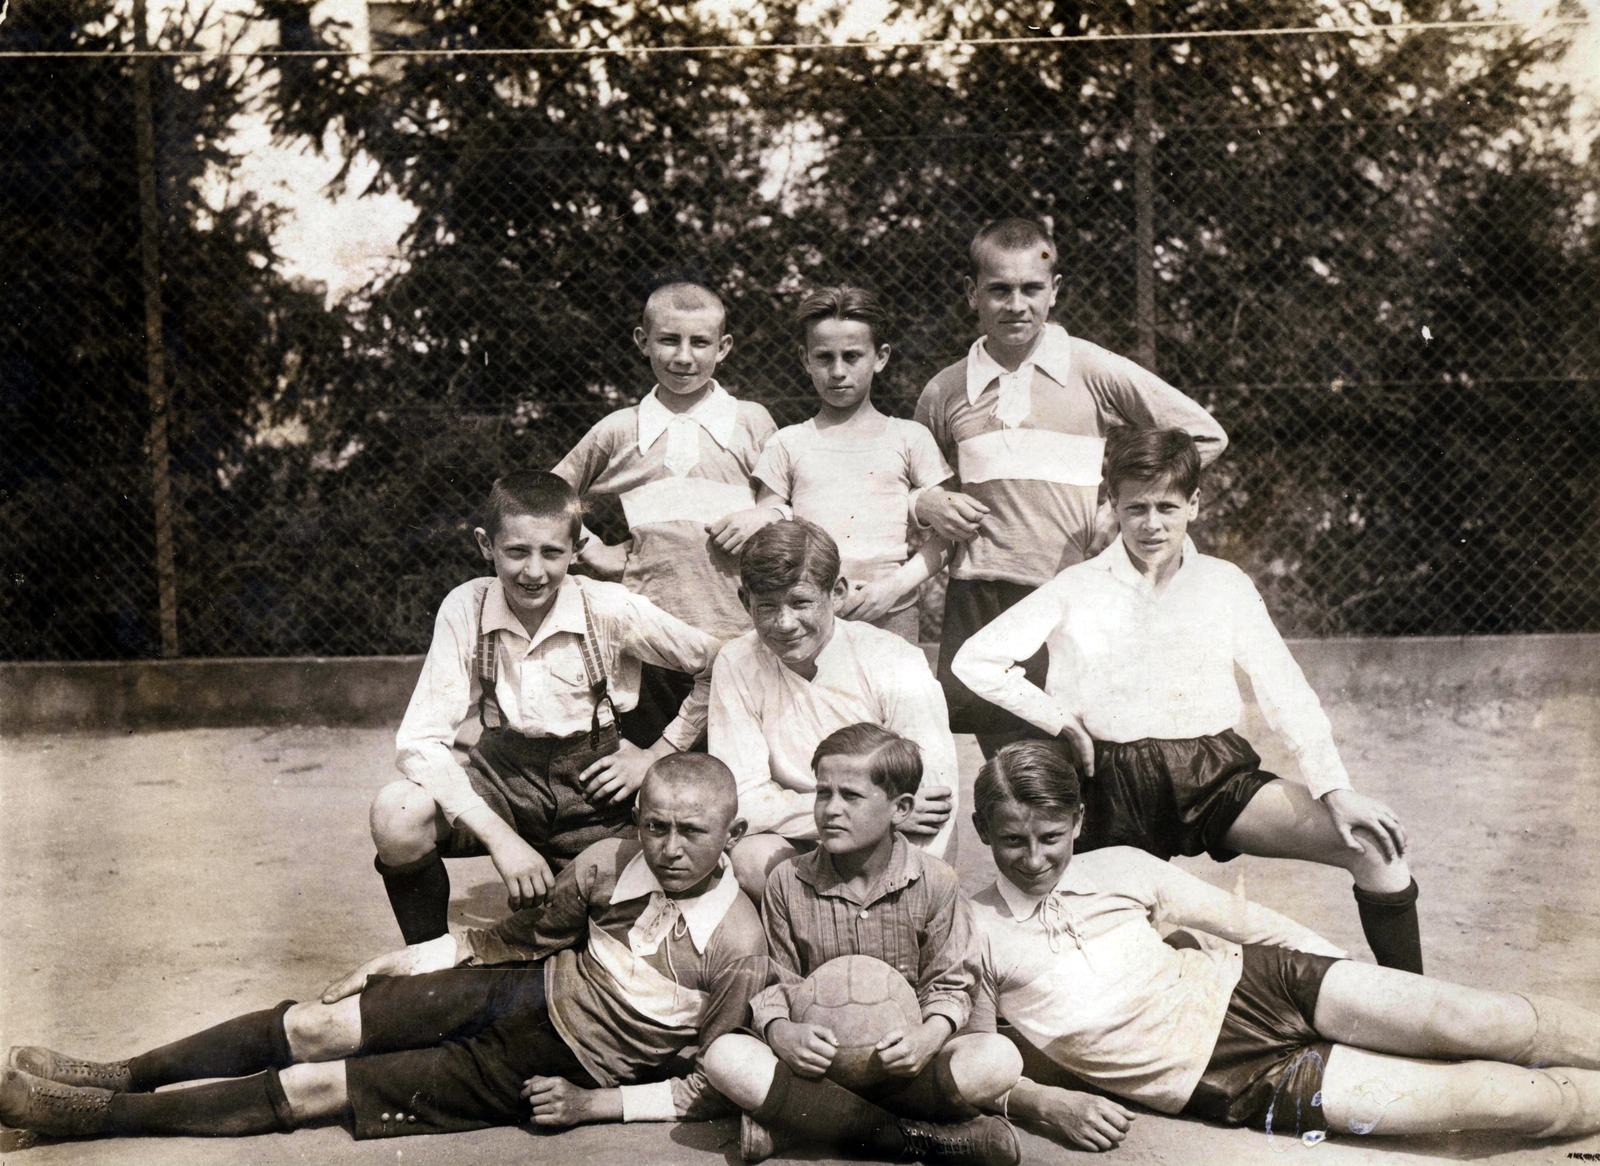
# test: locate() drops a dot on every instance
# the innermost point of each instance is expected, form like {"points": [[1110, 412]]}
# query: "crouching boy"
{"points": [[647, 947], [865, 891], [546, 662]]}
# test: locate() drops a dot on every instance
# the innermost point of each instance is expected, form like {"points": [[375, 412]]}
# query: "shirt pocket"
{"points": [[564, 666]]}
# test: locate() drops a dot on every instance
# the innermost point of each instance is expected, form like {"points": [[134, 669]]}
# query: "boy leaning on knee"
{"points": [[865, 891], [546, 662], [644, 948]]}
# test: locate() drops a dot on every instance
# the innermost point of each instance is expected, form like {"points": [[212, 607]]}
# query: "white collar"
{"points": [[836, 656], [702, 914], [1075, 880], [565, 616], [1051, 356], [717, 413], [1116, 561]]}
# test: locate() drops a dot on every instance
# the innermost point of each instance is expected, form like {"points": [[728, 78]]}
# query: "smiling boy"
{"points": [[546, 663], [1023, 418], [647, 948], [1142, 642]]}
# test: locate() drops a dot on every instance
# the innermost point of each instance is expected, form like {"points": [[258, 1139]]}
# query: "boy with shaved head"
{"points": [[645, 947], [681, 463]]}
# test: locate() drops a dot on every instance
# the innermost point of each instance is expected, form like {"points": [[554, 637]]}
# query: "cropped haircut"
{"points": [[842, 303], [700, 771], [1036, 774], [893, 763], [785, 553], [685, 295], [1152, 455], [1013, 235], [535, 493]]}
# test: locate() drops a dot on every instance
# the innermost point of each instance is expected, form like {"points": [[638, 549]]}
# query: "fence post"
{"points": [[155, 351], [1144, 182]]}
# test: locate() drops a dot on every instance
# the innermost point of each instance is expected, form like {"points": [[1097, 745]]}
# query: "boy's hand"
{"points": [[605, 562], [954, 515], [869, 601], [558, 1102], [808, 1049], [1352, 811], [522, 868], [1085, 1120], [733, 531], [435, 955], [907, 1054], [1074, 733], [929, 812], [617, 776]]}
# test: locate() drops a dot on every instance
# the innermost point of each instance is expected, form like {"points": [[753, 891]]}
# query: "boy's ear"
{"points": [[580, 542], [724, 346], [736, 832], [970, 285], [1077, 827], [641, 340], [883, 358], [1055, 288], [902, 807], [840, 592], [1194, 505], [982, 828], [485, 543]]}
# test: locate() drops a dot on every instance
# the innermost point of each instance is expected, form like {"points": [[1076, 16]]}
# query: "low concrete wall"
{"points": [[373, 690]]}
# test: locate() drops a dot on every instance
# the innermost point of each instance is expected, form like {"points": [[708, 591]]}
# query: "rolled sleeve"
{"points": [[989, 663], [656, 637], [446, 693]]}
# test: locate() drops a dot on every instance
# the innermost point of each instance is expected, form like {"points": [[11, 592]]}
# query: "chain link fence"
{"points": [[1374, 257]]}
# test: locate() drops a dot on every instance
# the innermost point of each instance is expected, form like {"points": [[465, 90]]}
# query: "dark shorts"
{"points": [[1170, 797], [532, 784], [971, 604], [449, 1051], [1266, 1069], [661, 695]]}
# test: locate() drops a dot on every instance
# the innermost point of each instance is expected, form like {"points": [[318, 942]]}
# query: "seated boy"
{"points": [[866, 892], [1142, 642], [1282, 1034], [648, 947], [680, 462], [545, 662], [779, 690], [1023, 418]]}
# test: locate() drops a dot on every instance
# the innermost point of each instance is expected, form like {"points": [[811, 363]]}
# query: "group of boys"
{"points": [[632, 861]]}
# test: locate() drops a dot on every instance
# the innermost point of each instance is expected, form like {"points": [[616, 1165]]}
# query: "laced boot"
{"points": [[65, 1070], [756, 1141], [61, 1111], [983, 1141]]}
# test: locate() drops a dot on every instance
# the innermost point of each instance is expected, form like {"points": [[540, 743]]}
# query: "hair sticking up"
{"points": [[1036, 774], [685, 296], [1152, 455], [1013, 235], [893, 763], [535, 493], [842, 303], [785, 553]]}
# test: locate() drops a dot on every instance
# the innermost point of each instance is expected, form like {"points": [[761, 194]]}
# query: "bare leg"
{"points": [[324, 1032], [741, 1068], [406, 823], [1283, 820], [981, 1066], [755, 857], [315, 1091]]}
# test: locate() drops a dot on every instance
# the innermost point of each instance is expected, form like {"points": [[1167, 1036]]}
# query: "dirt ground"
{"points": [[158, 883]]}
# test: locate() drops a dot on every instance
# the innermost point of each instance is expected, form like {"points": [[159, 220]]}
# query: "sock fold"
{"points": [[1389, 922]]}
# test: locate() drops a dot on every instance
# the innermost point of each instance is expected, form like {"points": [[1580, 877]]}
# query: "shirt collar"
{"points": [[1051, 356], [1075, 880], [565, 616], [1114, 560], [717, 413], [702, 914], [817, 871], [833, 656]]}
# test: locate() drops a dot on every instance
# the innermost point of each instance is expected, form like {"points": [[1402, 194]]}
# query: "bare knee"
{"points": [[755, 858], [982, 1066], [741, 1068], [315, 1091], [323, 1032], [404, 822]]}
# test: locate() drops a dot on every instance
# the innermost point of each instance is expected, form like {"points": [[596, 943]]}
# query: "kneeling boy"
{"points": [[546, 662], [866, 892], [674, 953]]}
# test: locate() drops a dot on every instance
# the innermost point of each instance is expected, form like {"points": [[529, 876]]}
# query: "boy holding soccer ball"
{"points": [[865, 891]]}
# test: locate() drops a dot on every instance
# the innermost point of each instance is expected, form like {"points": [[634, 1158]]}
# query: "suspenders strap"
{"points": [[595, 669], [486, 666]]}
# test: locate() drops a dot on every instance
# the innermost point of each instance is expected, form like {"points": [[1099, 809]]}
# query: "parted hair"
{"points": [[893, 763], [1012, 235], [1151, 455], [842, 303], [532, 492], [1031, 773], [782, 554]]}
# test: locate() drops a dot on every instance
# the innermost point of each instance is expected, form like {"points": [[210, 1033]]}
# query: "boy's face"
{"points": [[1012, 293], [852, 812], [684, 832], [1155, 518], [1031, 847], [530, 556], [796, 622], [684, 346], [842, 360]]}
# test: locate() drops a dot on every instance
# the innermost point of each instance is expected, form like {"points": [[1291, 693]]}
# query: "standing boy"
{"points": [[647, 947], [866, 892], [680, 461], [1023, 418], [545, 662], [1142, 642]]}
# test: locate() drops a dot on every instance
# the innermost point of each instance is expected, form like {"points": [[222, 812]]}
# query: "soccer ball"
{"points": [[861, 1000]]}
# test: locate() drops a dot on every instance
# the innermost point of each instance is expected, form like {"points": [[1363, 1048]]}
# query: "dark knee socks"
{"points": [[419, 892], [1389, 921], [239, 1108], [245, 1044], [821, 1113]]}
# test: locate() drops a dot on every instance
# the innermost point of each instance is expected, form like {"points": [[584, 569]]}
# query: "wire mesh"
{"points": [[1374, 258]]}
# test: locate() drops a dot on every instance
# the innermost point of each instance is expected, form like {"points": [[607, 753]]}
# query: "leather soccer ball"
{"points": [[862, 1000]]}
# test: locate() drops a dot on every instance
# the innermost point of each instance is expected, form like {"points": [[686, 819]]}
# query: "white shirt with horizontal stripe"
{"points": [[1133, 664]]}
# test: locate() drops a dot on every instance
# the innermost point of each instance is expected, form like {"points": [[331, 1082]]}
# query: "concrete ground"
{"points": [[158, 883]]}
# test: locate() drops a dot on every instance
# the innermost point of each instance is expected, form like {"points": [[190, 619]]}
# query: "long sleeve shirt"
{"points": [[1132, 663], [915, 919], [1083, 974], [1029, 445], [541, 685], [633, 978], [674, 474], [766, 720]]}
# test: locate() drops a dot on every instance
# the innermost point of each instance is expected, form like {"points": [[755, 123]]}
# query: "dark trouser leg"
{"points": [[661, 693], [238, 1108], [820, 1113], [245, 1044], [971, 604], [419, 893], [1389, 921]]}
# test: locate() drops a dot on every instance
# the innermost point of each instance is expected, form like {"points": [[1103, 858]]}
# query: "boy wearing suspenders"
{"points": [[548, 663]]}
